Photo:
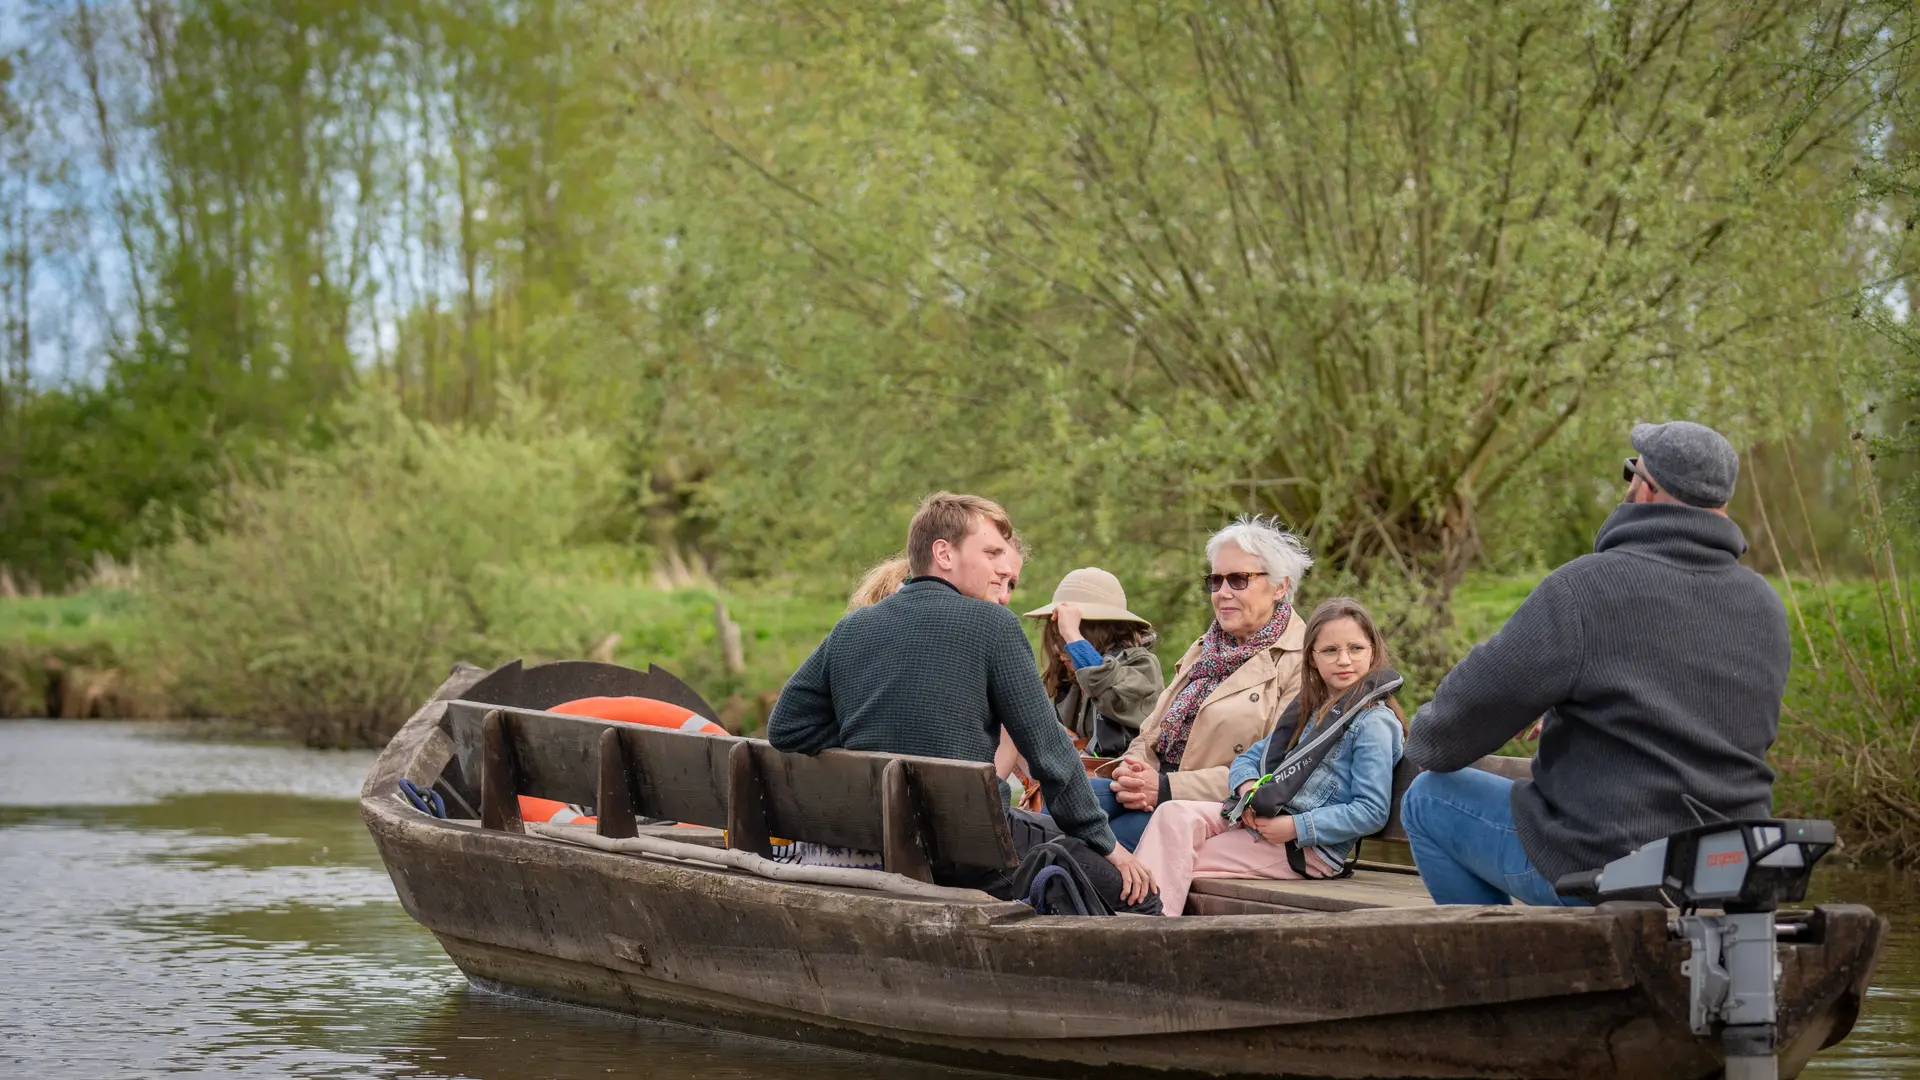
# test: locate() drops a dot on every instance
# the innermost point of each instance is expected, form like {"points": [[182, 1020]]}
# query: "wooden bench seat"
{"points": [[1375, 886], [914, 811], [1365, 889]]}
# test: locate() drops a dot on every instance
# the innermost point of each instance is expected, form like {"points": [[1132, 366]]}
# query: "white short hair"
{"points": [[1281, 553]]}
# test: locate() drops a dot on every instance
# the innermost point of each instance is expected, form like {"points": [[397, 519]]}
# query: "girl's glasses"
{"points": [[1333, 652], [1236, 582]]}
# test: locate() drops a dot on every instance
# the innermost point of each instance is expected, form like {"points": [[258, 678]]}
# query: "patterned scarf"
{"points": [[1219, 657]]}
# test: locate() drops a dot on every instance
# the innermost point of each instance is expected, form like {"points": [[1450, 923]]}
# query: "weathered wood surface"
{"points": [[499, 774], [903, 847], [1413, 992], [1365, 889], [834, 798], [613, 806], [994, 976], [746, 803]]}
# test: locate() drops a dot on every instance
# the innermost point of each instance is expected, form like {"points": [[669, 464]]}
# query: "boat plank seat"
{"points": [[914, 811], [1368, 887]]}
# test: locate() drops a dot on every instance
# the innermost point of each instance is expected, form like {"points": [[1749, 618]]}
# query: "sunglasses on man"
{"points": [[1632, 469], [1236, 582]]}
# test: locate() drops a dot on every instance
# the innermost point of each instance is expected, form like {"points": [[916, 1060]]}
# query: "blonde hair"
{"points": [[946, 516], [881, 580]]}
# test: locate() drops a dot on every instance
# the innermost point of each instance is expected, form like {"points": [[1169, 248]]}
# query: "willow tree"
{"points": [[1419, 240], [1358, 264]]}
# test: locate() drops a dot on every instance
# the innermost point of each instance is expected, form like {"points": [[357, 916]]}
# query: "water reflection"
{"points": [[171, 906], [1886, 1041]]}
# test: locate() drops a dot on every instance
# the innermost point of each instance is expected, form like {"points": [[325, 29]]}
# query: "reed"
{"points": [[1849, 746]]}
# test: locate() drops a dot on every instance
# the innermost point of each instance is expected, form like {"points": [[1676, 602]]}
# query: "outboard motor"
{"points": [[1745, 868]]}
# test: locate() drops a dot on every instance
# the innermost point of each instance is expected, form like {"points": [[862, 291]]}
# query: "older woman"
{"points": [[1228, 689]]}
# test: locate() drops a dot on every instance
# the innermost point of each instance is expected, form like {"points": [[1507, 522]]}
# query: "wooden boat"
{"points": [[1351, 978]]}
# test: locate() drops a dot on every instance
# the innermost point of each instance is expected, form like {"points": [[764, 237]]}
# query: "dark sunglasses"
{"points": [[1632, 469], [1236, 582]]}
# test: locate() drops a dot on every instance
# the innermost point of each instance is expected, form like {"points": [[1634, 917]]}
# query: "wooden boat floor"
{"points": [[1365, 889]]}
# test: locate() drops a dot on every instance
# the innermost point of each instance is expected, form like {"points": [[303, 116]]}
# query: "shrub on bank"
{"points": [[1849, 746], [334, 595], [63, 656]]}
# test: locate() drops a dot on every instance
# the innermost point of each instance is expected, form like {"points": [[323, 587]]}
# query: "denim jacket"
{"points": [[1349, 795]]}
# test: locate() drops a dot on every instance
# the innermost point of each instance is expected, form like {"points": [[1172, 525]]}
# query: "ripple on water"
{"points": [[177, 906]]}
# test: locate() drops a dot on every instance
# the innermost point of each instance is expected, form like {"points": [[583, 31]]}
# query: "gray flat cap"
{"points": [[1691, 462]]}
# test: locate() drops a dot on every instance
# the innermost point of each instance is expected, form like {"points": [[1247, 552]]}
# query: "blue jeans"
{"points": [[1460, 825], [1128, 825]]}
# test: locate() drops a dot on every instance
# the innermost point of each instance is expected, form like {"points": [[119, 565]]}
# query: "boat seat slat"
{"points": [[1365, 889]]}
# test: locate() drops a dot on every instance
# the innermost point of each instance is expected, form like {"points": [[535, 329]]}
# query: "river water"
{"points": [[174, 906]]}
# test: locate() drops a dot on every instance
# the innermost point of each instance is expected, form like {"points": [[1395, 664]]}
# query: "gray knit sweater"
{"points": [[1659, 662], [931, 672]]}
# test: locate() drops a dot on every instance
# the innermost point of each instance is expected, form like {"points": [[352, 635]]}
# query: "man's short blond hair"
{"points": [[946, 516]]}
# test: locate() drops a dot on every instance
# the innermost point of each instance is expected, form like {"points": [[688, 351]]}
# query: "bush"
{"points": [[61, 656], [1851, 721], [335, 593]]}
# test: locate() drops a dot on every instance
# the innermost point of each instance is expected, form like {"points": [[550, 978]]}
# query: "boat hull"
{"points": [[1435, 992]]}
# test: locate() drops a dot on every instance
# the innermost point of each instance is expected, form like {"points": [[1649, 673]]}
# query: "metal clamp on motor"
{"points": [[1747, 869]]}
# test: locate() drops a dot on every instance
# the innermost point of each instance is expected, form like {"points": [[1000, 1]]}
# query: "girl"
{"points": [[1101, 671], [1343, 799]]}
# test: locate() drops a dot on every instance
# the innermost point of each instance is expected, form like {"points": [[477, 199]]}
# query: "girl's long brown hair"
{"points": [[1315, 694], [1102, 634]]}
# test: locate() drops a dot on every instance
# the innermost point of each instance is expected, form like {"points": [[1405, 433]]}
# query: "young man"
{"points": [[936, 671], [1659, 663]]}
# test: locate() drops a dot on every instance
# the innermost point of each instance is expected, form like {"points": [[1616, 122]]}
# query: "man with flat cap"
{"points": [[1657, 664]]}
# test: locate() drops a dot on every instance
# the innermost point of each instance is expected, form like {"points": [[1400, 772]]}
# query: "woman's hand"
{"points": [[1067, 617], [1136, 785], [1274, 830], [1136, 881]]}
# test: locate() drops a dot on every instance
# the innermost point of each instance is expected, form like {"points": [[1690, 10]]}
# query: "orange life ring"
{"points": [[554, 813], [623, 710], [640, 710]]}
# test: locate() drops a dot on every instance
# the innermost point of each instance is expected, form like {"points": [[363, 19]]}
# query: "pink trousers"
{"points": [[1187, 840]]}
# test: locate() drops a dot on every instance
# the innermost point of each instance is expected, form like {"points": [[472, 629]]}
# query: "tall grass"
{"points": [[334, 595], [61, 656], [1849, 745]]}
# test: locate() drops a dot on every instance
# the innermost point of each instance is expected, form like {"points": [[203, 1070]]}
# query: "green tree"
{"points": [[1363, 266]]}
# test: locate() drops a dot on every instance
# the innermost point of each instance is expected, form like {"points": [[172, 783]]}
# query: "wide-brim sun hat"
{"points": [[1097, 593]]}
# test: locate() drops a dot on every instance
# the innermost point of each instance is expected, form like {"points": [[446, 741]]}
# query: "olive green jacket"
{"points": [[1106, 704]]}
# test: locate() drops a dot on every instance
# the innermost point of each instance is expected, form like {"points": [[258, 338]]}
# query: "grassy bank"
{"points": [[67, 656]]}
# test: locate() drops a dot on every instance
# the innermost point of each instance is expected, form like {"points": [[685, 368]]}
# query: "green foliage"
{"points": [[83, 468], [1849, 745], [335, 594], [60, 653], [1139, 267], [1885, 381]]}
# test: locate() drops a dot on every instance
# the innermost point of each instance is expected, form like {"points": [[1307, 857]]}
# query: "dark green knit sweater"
{"points": [[928, 671]]}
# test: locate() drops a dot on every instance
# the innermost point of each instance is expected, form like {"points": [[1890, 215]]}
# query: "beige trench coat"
{"points": [[1240, 712]]}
